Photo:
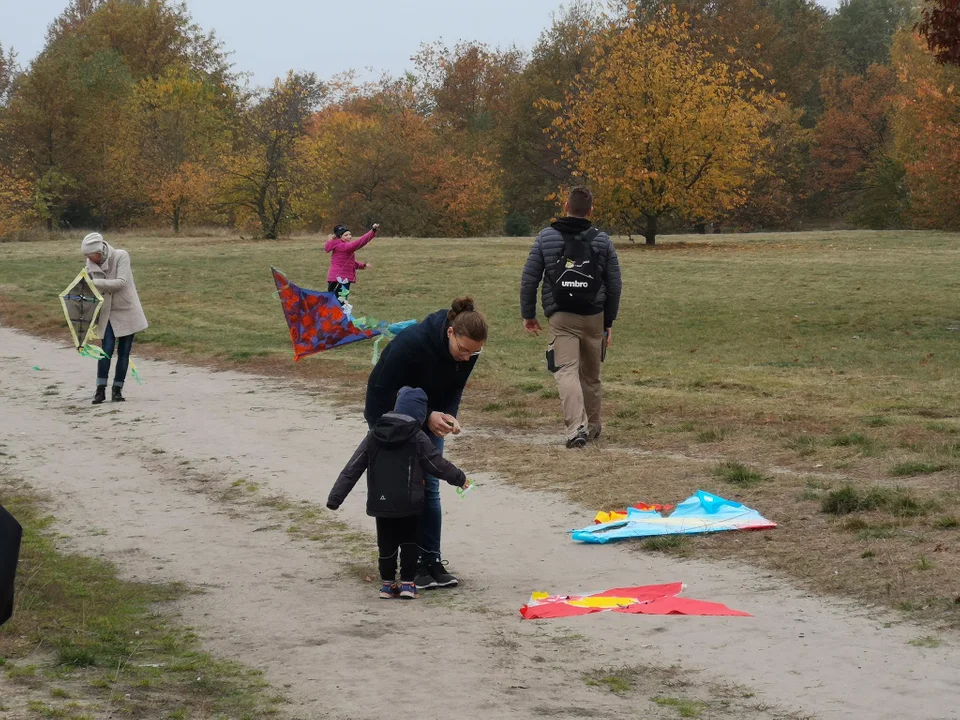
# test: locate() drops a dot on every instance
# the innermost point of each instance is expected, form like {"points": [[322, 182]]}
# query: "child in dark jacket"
{"points": [[396, 454]]}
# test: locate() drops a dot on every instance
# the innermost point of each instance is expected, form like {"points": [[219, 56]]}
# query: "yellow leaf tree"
{"points": [[657, 124], [16, 203], [172, 135]]}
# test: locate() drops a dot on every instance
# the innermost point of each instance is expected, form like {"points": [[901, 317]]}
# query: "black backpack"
{"points": [[394, 479], [577, 276]]}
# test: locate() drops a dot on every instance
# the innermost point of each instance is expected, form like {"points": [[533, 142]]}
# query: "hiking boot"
{"points": [[389, 590], [441, 577], [578, 441], [117, 394], [424, 580], [100, 395], [408, 591]]}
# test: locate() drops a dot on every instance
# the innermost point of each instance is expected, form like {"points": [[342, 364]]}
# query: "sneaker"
{"points": [[389, 590], [100, 395], [579, 441], [424, 580], [441, 577], [408, 591]]}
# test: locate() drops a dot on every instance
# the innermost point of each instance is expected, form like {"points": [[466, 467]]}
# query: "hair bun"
{"points": [[463, 304]]}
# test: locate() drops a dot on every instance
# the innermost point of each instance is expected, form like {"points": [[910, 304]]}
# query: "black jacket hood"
{"points": [[571, 225], [393, 429]]}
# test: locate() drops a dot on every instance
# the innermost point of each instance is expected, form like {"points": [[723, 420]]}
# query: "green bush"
{"points": [[517, 225]]}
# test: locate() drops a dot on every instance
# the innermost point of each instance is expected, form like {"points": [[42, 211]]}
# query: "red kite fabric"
{"points": [[643, 600], [316, 319]]}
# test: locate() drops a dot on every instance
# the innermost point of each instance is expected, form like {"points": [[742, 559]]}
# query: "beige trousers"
{"points": [[577, 344]]}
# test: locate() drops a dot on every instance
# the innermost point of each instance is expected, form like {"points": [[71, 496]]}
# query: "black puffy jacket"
{"points": [[547, 250], [418, 357], [396, 455]]}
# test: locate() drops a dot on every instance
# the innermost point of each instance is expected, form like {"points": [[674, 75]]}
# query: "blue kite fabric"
{"points": [[316, 319], [700, 513]]}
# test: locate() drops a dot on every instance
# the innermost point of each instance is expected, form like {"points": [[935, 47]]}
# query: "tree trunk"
{"points": [[650, 231], [50, 224], [176, 219], [700, 228]]}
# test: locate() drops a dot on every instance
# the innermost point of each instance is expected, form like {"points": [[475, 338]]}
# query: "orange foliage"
{"points": [[16, 203], [927, 123], [853, 134]]}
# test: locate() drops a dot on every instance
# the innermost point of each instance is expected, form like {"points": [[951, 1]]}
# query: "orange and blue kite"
{"points": [[316, 319], [700, 513]]}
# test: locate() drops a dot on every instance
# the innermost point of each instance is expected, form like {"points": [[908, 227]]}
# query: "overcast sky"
{"points": [[269, 37]]}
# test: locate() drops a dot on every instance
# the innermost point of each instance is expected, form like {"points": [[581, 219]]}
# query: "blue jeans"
{"points": [[123, 347], [430, 516]]}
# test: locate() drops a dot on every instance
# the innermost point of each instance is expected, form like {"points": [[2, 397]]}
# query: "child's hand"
{"points": [[466, 485], [376, 226]]}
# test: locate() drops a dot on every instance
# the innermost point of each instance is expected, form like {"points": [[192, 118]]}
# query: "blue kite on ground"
{"points": [[700, 513]]}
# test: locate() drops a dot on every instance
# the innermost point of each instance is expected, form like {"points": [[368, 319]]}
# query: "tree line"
{"points": [[740, 114]]}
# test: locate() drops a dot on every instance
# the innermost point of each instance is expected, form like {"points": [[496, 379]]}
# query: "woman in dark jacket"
{"points": [[438, 356]]}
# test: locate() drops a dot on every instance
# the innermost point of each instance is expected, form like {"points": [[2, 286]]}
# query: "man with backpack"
{"points": [[581, 297]]}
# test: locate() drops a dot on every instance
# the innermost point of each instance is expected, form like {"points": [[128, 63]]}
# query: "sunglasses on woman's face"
{"points": [[466, 352]]}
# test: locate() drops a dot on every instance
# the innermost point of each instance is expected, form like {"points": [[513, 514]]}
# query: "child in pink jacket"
{"points": [[343, 259]]}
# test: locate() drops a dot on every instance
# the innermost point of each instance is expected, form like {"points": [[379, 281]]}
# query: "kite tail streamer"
{"points": [[92, 351], [134, 373], [376, 350]]}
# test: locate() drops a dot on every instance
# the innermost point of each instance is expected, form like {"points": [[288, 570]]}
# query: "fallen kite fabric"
{"points": [[82, 302], [605, 517], [643, 600], [700, 513], [316, 319], [10, 535]]}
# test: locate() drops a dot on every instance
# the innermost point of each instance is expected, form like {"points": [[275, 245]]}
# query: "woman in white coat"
{"points": [[121, 316]]}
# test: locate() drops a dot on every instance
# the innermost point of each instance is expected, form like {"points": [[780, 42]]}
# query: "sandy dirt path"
{"points": [[133, 483]]}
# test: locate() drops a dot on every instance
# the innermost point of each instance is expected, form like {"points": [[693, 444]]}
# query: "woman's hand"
{"points": [[441, 424]]}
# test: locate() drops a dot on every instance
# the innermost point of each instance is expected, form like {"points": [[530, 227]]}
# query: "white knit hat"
{"points": [[92, 243]]}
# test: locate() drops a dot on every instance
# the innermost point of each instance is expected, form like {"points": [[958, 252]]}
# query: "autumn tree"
{"points": [[852, 138], [16, 203], [785, 40], [175, 133], [8, 73], [658, 125], [926, 121], [271, 127], [468, 86], [862, 31], [940, 26], [530, 158], [66, 109], [376, 158]]}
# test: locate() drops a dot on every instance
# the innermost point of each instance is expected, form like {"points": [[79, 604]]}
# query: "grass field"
{"points": [[813, 375]]}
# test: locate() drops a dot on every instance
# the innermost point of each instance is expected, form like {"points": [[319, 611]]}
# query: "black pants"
{"points": [[398, 536], [335, 287]]}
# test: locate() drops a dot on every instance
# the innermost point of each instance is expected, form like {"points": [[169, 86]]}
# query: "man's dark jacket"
{"points": [[548, 249]]}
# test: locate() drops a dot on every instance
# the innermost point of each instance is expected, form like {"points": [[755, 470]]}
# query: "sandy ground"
{"points": [[132, 483]]}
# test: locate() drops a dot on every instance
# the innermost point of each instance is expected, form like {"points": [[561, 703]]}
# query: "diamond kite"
{"points": [[81, 303], [643, 600], [316, 319], [700, 513]]}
